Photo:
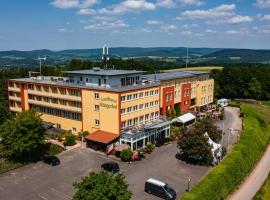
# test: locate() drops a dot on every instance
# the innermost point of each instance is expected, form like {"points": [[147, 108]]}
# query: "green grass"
{"points": [[224, 178], [264, 192], [205, 68], [6, 165]]}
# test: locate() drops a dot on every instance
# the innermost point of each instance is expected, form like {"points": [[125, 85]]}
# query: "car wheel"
{"points": [[149, 191]]}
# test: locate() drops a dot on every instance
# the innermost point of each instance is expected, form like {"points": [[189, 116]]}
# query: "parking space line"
{"points": [[42, 197], [61, 193]]}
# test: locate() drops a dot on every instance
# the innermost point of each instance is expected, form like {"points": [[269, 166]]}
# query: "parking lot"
{"points": [[41, 181]]}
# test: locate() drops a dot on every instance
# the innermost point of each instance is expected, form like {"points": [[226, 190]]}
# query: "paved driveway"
{"points": [[40, 181]]}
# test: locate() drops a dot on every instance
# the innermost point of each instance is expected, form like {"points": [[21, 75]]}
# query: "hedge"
{"points": [[225, 177]]}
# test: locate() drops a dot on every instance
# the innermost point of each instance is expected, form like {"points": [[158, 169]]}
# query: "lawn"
{"points": [[6, 165], [264, 192], [205, 68]]}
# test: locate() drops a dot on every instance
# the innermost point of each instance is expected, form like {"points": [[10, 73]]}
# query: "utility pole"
{"points": [[187, 58], [40, 59]]}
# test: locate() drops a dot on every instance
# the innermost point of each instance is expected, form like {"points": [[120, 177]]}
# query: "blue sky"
{"points": [[70, 24]]}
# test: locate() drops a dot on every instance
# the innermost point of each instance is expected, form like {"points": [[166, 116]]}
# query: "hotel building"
{"points": [[112, 105]]}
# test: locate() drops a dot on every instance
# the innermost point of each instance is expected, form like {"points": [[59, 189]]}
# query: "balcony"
{"points": [[15, 109], [14, 89], [14, 98], [55, 95], [56, 106]]}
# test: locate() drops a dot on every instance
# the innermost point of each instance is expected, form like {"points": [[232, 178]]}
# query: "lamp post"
{"points": [[188, 185]]}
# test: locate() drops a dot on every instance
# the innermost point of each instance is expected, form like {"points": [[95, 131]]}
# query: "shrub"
{"points": [[70, 139], [225, 177], [126, 155], [150, 146]]}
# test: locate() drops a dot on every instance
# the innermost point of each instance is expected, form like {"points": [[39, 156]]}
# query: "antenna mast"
{"points": [[105, 55]]}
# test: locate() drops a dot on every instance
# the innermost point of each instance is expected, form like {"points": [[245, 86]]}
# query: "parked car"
{"points": [[160, 189], [110, 166], [51, 160]]}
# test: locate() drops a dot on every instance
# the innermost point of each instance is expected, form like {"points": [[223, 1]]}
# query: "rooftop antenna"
{"points": [[105, 55], [187, 58], [40, 59]]}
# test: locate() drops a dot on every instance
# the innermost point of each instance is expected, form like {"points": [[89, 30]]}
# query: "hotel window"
{"points": [[152, 116], [129, 97], [123, 124], [97, 122], [146, 117], [46, 99], [57, 112], [157, 114], [156, 92], [123, 98], [54, 90], [141, 119], [167, 97], [146, 105], [135, 96], [55, 101], [63, 102], [46, 89], [130, 122], [75, 116], [39, 98], [63, 91], [141, 94], [30, 86], [96, 95], [141, 106], [151, 103], [38, 87], [74, 92], [175, 94], [135, 108], [66, 114], [146, 94], [171, 96], [96, 107], [43, 109], [135, 121], [123, 111], [156, 102], [74, 130], [75, 104], [151, 92], [129, 109]]}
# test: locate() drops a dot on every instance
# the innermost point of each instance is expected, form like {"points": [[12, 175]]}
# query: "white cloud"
{"points": [[86, 11], [169, 27], [153, 22], [265, 29], [186, 33], [191, 2], [105, 25], [236, 32], [263, 3], [67, 4], [210, 31], [145, 30], [237, 19], [188, 26], [166, 3], [62, 30], [264, 17], [220, 11], [128, 6]]}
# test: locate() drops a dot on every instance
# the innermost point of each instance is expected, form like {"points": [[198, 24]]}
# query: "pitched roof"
{"points": [[102, 137]]}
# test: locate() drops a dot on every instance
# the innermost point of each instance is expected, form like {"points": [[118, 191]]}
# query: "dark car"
{"points": [[160, 189], [110, 166], [52, 160]]}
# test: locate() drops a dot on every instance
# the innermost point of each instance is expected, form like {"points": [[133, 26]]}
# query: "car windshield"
{"points": [[169, 189]]}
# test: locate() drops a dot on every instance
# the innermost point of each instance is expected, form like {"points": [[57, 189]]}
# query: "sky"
{"points": [[86, 24]]}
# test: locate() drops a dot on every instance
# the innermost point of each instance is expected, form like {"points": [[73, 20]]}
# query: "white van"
{"points": [[223, 102]]}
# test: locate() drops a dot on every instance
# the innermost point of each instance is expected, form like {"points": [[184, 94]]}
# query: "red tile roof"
{"points": [[102, 137]]}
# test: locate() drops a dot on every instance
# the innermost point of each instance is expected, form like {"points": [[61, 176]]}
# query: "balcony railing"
{"points": [[14, 89], [14, 98], [56, 106], [55, 95]]}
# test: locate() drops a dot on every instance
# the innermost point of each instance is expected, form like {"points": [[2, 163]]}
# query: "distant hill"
{"points": [[197, 55]]}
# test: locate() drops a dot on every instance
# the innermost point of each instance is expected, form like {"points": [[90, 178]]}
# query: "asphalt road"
{"points": [[42, 182]]}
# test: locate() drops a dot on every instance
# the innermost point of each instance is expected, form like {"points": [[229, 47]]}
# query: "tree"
{"points": [[22, 137], [4, 112], [70, 139], [207, 125], [102, 186], [194, 147], [126, 155]]}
